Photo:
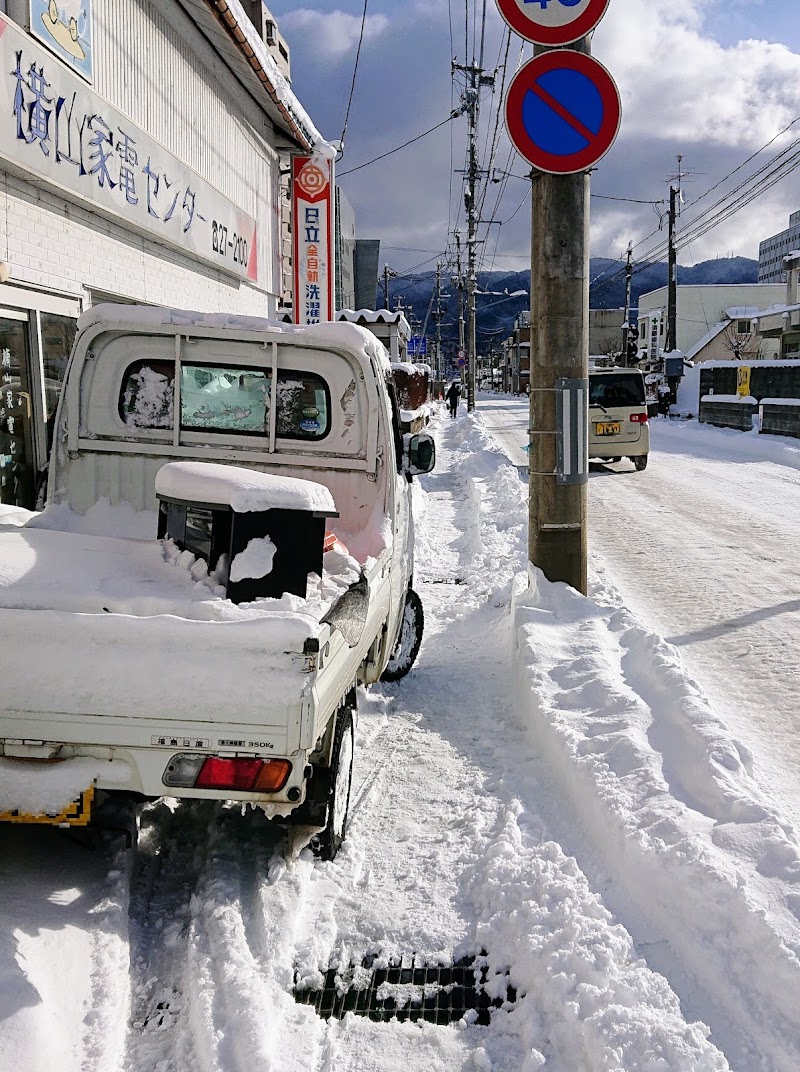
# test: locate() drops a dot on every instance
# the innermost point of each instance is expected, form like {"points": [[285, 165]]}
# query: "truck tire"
{"points": [[328, 842], [407, 646], [640, 462]]}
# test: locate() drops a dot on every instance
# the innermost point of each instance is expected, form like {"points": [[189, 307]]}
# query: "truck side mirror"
{"points": [[419, 454]]}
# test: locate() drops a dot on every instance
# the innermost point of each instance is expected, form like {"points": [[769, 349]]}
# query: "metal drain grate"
{"points": [[409, 990]]}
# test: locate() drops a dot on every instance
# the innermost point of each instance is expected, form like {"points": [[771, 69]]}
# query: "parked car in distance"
{"points": [[618, 421]]}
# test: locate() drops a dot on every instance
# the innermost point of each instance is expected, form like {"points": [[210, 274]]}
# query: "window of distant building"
{"points": [[743, 327]]}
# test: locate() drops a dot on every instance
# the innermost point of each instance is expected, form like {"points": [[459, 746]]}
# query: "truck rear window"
{"points": [[224, 398], [616, 389]]}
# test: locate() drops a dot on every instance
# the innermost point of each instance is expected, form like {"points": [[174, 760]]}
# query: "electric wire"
{"points": [[353, 82], [397, 148]]}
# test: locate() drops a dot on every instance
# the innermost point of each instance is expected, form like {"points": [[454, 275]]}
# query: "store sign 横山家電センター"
{"points": [[59, 130]]}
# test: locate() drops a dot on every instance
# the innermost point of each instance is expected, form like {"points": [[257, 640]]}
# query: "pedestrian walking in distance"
{"points": [[452, 396]]}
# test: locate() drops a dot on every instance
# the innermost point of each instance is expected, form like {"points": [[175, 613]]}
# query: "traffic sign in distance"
{"points": [[563, 112], [552, 22]]}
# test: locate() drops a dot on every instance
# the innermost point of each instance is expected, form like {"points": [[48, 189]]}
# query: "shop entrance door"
{"points": [[17, 466]]}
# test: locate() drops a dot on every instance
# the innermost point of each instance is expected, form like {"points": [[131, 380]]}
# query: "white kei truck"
{"points": [[225, 554]]}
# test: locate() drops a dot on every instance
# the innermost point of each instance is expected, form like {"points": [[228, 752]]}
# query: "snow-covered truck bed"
{"points": [[128, 652]]}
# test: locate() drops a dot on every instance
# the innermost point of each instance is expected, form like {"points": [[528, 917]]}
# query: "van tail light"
{"points": [[639, 418], [245, 774]]}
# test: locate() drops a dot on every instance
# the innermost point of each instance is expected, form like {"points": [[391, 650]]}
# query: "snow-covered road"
{"points": [[702, 547], [546, 791]]}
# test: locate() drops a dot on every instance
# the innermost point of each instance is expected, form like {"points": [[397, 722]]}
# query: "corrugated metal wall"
{"points": [[173, 87]]}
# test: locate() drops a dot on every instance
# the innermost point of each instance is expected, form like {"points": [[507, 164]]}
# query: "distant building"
{"points": [[368, 253], [700, 308], [772, 251], [516, 361], [356, 261], [264, 22], [345, 245], [780, 326], [605, 331]]}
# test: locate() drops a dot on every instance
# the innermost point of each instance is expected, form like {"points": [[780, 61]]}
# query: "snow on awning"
{"points": [[233, 17]]}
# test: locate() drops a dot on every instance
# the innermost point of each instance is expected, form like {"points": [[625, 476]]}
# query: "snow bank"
{"points": [[656, 779], [704, 870]]}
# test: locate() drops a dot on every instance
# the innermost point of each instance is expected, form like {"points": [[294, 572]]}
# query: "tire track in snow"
{"points": [[169, 860]]}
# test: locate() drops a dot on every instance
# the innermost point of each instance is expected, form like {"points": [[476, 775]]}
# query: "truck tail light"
{"points": [[246, 774], [639, 418]]}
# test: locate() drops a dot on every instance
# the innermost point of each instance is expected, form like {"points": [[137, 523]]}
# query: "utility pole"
{"points": [[384, 284], [557, 533], [471, 102], [437, 318], [460, 288], [672, 286], [627, 326], [672, 282]]}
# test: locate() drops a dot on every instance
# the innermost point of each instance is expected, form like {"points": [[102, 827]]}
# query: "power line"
{"points": [[450, 118], [353, 83]]}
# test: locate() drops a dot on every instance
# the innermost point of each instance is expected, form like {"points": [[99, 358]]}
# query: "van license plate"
{"points": [[608, 428]]}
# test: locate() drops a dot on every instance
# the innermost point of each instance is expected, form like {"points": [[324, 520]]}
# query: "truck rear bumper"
{"points": [[55, 773]]}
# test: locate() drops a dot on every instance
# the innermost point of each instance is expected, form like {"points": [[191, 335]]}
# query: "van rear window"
{"points": [[223, 398], [616, 389]]}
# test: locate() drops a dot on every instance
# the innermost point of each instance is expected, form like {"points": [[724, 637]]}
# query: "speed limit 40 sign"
{"points": [[552, 22]]}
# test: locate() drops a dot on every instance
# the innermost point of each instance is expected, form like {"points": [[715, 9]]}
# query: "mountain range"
{"points": [[502, 296]]}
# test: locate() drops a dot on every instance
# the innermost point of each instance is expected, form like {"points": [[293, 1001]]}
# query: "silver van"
{"points": [[618, 423]]}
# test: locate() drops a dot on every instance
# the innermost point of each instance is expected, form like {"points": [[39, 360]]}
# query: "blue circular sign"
{"points": [[563, 112]]}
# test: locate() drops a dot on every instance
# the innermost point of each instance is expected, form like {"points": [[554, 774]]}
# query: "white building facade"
{"points": [[772, 251], [141, 147], [699, 308]]}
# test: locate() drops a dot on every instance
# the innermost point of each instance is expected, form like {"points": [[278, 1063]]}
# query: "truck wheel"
{"points": [[640, 462], [328, 842], [407, 646]]}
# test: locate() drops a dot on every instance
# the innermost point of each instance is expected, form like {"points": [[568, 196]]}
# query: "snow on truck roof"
{"points": [[331, 334], [242, 489]]}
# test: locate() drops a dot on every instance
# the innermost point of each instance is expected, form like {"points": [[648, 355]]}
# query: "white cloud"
{"points": [[684, 92], [331, 34], [679, 83]]}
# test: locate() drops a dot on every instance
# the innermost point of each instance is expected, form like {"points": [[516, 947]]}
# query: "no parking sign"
{"points": [[562, 111]]}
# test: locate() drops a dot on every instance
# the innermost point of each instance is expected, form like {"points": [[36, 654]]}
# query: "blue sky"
{"points": [[777, 20], [712, 80]]}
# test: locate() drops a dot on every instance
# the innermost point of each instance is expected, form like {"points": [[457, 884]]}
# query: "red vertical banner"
{"points": [[312, 238]]}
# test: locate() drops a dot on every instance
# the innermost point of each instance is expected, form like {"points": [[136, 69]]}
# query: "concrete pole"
{"points": [[626, 327], [672, 282], [557, 533]]}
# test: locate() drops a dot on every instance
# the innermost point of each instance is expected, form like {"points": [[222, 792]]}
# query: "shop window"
{"points": [[58, 335], [17, 467]]}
